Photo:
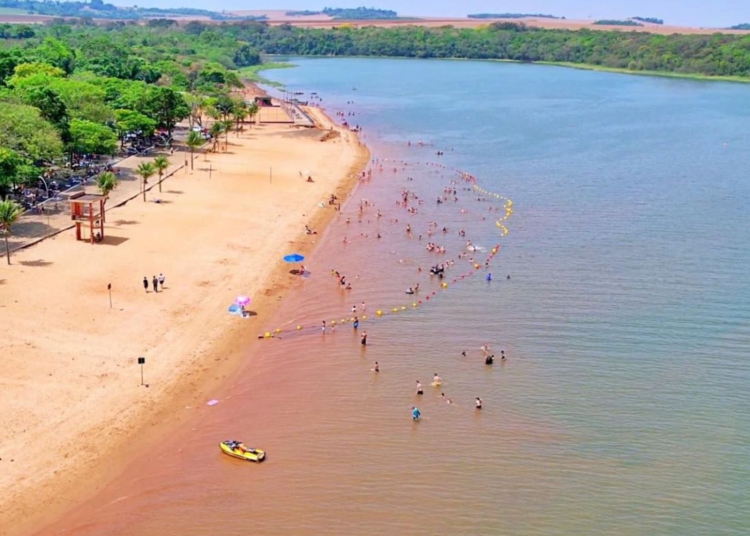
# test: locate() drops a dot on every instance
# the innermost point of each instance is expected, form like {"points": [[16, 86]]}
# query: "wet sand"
{"points": [[71, 388]]}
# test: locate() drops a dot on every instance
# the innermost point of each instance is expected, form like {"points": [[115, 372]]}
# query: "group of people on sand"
{"points": [[156, 282]]}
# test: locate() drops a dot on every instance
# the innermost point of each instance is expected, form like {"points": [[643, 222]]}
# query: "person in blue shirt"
{"points": [[415, 413]]}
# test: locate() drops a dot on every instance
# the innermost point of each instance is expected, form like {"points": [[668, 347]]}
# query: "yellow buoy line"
{"points": [[389, 311]]}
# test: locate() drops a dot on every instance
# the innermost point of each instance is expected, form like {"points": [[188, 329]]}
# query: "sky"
{"points": [[702, 13]]}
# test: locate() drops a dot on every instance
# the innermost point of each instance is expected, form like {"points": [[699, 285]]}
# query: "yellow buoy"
{"points": [[379, 312], [267, 335], [299, 328]]}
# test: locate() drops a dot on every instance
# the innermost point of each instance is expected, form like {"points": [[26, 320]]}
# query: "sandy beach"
{"points": [[71, 391]]}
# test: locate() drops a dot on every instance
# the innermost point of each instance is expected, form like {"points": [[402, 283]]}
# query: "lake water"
{"points": [[624, 405]]}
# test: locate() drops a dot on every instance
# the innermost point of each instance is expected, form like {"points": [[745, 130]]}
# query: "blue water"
{"points": [[630, 294], [624, 405]]}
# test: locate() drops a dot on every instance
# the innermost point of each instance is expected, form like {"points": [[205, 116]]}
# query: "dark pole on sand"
{"points": [[141, 362], [109, 289], [210, 169]]}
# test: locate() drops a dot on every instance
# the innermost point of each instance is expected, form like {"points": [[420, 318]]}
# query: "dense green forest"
{"points": [[98, 9], [69, 91], [511, 16], [709, 55]]}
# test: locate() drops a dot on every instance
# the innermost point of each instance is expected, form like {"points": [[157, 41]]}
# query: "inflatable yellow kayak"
{"points": [[237, 449]]}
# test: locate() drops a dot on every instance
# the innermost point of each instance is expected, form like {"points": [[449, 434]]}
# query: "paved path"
{"points": [[33, 226]]}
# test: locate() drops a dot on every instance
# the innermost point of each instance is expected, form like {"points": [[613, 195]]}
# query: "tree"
{"points": [[195, 103], [10, 211], [161, 163], [252, 110], [106, 182], [246, 55], [146, 170], [51, 107], [194, 140], [91, 138], [10, 162], [167, 107], [131, 121], [216, 129], [23, 130]]}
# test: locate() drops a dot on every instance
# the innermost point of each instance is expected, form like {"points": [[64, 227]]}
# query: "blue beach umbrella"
{"points": [[294, 257]]}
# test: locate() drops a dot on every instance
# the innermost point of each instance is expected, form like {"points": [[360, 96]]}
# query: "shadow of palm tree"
{"points": [[37, 263]]}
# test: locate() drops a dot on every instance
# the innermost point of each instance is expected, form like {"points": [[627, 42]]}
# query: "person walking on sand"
{"points": [[145, 284], [155, 283], [161, 281], [363, 340]]}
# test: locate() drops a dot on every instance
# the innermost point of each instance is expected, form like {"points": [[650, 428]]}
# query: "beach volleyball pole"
{"points": [[141, 362]]}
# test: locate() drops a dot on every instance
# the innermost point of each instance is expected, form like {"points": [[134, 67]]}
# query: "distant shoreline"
{"points": [[581, 66]]}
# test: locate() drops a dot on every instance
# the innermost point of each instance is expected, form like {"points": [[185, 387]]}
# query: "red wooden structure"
{"points": [[88, 211]]}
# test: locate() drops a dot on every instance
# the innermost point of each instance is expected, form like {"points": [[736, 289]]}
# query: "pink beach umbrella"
{"points": [[242, 300]]}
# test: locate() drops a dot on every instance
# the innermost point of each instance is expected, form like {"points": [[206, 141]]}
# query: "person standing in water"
{"points": [[437, 380], [377, 367], [415, 413], [356, 322], [363, 340], [420, 391], [479, 403]]}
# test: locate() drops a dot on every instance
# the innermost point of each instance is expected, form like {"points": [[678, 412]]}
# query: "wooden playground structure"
{"points": [[87, 211]]}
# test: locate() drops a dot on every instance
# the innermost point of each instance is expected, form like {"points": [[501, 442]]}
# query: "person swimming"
{"points": [[415, 413], [489, 360], [420, 391], [447, 400]]}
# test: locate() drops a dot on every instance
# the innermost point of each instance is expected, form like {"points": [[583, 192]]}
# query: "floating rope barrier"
{"points": [[382, 312]]}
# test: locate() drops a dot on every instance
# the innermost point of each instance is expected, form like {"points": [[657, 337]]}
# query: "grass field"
{"points": [[252, 73]]}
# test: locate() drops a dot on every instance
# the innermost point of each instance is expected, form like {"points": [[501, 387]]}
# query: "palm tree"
{"points": [[240, 115], [252, 111], [216, 129], [161, 163], [9, 214], [194, 140], [106, 182], [227, 124], [145, 170]]}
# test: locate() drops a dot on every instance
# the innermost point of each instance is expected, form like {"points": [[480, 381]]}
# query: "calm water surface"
{"points": [[624, 407]]}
